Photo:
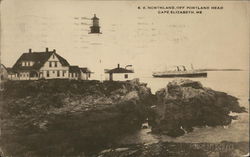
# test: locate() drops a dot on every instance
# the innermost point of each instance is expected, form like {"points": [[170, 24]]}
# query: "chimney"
{"points": [[30, 50], [118, 65], [54, 50], [47, 49]]}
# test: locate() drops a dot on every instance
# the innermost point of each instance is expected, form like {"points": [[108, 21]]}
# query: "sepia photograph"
{"points": [[124, 78]]}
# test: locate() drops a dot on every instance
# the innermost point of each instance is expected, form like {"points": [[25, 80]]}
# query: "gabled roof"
{"points": [[119, 70], [3, 69], [85, 70], [74, 69], [10, 71], [39, 58], [3, 66]]}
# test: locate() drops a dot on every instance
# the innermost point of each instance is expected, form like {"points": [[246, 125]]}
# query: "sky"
{"points": [[147, 40]]}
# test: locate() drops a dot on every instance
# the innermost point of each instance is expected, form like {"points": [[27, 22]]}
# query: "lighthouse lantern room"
{"points": [[95, 28]]}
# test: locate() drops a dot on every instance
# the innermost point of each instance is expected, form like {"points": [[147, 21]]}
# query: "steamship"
{"points": [[180, 71]]}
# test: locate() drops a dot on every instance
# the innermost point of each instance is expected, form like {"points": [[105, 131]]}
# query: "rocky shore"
{"points": [[67, 118], [83, 118], [170, 149], [185, 104]]}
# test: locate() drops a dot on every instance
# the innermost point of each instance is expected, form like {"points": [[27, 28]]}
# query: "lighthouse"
{"points": [[95, 28]]}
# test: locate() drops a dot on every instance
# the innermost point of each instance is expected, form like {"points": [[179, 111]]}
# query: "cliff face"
{"points": [[62, 117], [185, 104]]}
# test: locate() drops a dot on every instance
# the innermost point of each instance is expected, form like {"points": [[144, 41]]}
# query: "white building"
{"points": [[85, 74], [12, 75], [3, 73], [119, 74], [77, 73], [46, 65]]}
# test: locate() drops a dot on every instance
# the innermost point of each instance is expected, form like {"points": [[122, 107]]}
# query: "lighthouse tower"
{"points": [[95, 28]]}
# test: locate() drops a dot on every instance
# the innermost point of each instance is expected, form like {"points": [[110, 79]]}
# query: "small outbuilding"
{"points": [[74, 72], [119, 73], [79, 73], [12, 75], [3, 73], [85, 73]]}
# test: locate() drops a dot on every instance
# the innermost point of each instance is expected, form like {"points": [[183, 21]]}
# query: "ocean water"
{"points": [[235, 83]]}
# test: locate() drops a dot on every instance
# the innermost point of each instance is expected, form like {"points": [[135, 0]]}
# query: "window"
{"points": [[53, 72], [58, 73], [47, 73], [126, 76], [50, 64], [63, 73], [53, 56], [28, 63], [55, 64]]}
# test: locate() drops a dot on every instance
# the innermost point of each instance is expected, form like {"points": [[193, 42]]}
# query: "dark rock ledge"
{"points": [[65, 118], [185, 104], [52, 118]]}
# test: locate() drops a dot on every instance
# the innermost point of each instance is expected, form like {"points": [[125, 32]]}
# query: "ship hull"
{"points": [[181, 75]]}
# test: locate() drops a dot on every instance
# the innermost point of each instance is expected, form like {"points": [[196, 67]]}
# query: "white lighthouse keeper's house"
{"points": [[119, 73]]}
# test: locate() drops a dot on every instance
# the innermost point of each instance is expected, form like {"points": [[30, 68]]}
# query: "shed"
{"points": [[119, 74]]}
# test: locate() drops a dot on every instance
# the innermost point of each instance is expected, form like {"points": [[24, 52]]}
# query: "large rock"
{"points": [[68, 118], [185, 104]]}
